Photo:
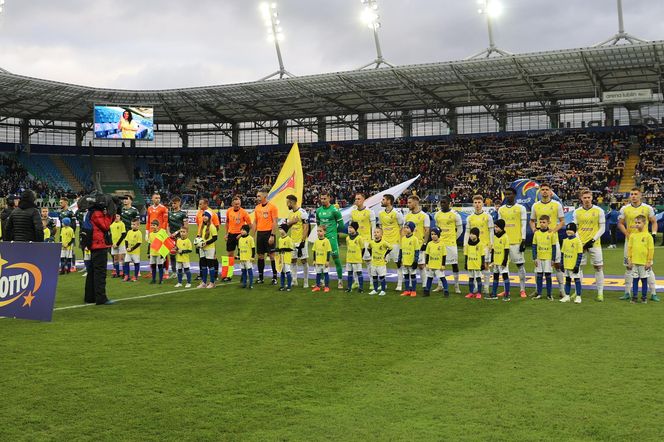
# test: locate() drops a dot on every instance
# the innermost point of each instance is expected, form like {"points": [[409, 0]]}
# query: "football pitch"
{"points": [[234, 364]]}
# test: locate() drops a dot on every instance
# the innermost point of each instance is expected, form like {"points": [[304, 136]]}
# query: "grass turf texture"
{"points": [[230, 364]]}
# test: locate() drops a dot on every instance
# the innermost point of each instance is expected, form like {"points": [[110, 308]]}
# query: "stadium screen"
{"points": [[124, 122]]}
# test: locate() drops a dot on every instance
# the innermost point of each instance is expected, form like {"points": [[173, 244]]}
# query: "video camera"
{"points": [[99, 201]]}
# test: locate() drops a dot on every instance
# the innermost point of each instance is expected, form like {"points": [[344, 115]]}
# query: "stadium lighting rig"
{"points": [[275, 35], [491, 9], [2, 5], [371, 19], [621, 35]]}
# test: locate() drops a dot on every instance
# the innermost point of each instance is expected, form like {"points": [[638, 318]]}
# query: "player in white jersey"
{"points": [[591, 224], [451, 228], [515, 217], [626, 224], [554, 210], [391, 221], [484, 222]]}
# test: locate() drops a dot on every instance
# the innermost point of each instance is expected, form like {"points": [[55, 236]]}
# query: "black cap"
{"points": [[571, 226], [501, 223], [475, 231]]}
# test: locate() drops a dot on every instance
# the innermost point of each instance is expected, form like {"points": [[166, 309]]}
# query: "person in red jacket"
{"points": [[95, 281]]}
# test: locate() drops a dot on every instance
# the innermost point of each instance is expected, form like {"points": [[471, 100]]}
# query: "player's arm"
{"points": [[459, 225], [533, 218], [340, 220], [600, 230], [275, 222], [651, 252], [561, 218], [621, 222], [534, 248], [372, 220], [653, 221], [489, 221], [630, 251], [524, 217], [400, 219], [122, 237]]}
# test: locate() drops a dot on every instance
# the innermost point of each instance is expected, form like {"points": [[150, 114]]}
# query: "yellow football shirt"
{"points": [[246, 244], [436, 251], [378, 251], [570, 251], [640, 248], [321, 248], [354, 248], [545, 241], [409, 245]]}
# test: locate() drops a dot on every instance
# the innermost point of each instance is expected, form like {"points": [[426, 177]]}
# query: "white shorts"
{"points": [[495, 268], [487, 255], [246, 265], [156, 260], [66, 253], [285, 267], [640, 272], [435, 273], [322, 268], [378, 270], [181, 266], [572, 275], [301, 254], [516, 256], [408, 270], [472, 274], [353, 267], [452, 255], [545, 266], [393, 256], [596, 256], [421, 259], [119, 250], [208, 254], [135, 259]]}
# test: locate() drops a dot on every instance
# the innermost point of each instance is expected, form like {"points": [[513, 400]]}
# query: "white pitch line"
{"points": [[129, 299]]}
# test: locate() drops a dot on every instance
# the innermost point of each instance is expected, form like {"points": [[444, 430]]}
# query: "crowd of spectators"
{"points": [[14, 178], [650, 170]]}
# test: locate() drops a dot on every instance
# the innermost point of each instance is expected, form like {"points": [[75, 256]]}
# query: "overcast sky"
{"points": [[154, 44]]}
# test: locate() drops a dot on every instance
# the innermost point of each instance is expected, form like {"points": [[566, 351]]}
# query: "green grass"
{"points": [[232, 364]]}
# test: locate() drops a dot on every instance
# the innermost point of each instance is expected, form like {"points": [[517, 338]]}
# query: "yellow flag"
{"points": [[290, 181]]}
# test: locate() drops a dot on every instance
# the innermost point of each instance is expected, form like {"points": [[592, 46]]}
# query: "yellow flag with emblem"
{"points": [[290, 181]]}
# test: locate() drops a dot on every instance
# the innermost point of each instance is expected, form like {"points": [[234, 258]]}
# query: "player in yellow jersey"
{"points": [[118, 249], [591, 222], [515, 217], [627, 225], [322, 249], [409, 257], [435, 259], [379, 251], [500, 255], [354, 252], [422, 226], [183, 249], [474, 260], [545, 250], [572, 254], [451, 227], [207, 251], [484, 222], [133, 242], [67, 240], [554, 210], [298, 223], [640, 257], [366, 220], [391, 221], [247, 249], [285, 249]]}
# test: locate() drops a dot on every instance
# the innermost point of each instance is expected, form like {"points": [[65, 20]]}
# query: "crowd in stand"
{"points": [[14, 178], [650, 170]]}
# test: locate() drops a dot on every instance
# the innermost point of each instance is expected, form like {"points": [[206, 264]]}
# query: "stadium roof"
{"points": [[535, 77]]}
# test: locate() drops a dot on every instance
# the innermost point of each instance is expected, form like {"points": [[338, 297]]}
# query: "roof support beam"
{"points": [[471, 89]]}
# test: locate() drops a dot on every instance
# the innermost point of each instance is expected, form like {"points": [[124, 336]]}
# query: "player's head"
{"points": [[291, 201], [128, 200], [544, 221], [545, 191], [237, 202], [352, 228], [499, 226], [435, 234], [127, 115], [176, 203], [324, 197], [409, 228], [261, 195], [497, 203], [474, 234], [635, 196], [44, 212], [135, 224], [359, 200], [478, 203], [64, 202], [321, 232], [586, 198], [640, 222], [207, 217], [66, 222], [378, 233], [413, 202], [154, 226], [510, 195], [203, 203], [570, 229], [184, 231], [283, 229], [445, 203], [117, 218], [156, 199], [245, 230], [387, 201]]}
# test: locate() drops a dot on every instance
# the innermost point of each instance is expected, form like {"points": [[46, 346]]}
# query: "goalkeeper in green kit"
{"points": [[329, 216]]}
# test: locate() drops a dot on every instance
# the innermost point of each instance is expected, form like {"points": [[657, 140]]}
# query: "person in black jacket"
{"points": [[24, 224], [6, 212]]}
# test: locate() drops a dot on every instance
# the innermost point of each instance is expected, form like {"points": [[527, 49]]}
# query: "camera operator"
{"points": [[95, 282]]}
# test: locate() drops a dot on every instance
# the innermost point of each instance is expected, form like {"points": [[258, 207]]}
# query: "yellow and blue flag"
{"points": [[290, 181]]}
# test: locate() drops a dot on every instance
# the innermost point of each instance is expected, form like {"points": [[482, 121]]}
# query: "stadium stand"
{"points": [[650, 171]]}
